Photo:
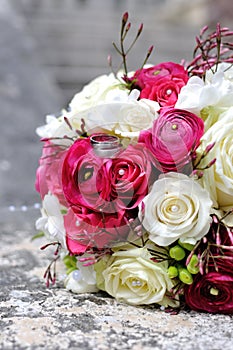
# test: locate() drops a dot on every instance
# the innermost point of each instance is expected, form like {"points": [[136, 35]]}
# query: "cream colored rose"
{"points": [[177, 207], [136, 116], [103, 89], [132, 277], [96, 92], [82, 280], [218, 179], [127, 117]]}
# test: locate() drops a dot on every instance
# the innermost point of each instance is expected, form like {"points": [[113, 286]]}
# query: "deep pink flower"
{"points": [[212, 289], [161, 83], [128, 176], [80, 175], [103, 194], [89, 229], [109, 185], [174, 136], [49, 172], [211, 292]]}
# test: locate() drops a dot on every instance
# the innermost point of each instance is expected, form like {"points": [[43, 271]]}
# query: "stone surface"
{"points": [[35, 317]]}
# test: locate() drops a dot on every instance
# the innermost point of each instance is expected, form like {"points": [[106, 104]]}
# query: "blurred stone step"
{"points": [[74, 38], [27, 94]]}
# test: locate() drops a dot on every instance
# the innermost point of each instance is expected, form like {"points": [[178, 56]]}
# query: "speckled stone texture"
{"points": [[36, 317]]}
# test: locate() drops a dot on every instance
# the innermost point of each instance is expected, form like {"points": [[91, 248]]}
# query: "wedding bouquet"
{"points": [[136, 181]]}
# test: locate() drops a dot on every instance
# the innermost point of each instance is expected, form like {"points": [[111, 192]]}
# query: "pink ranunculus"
{"points": [[102, 184], [49, 172], [211, 292], [129, 176], [80, 175], [161, 83], [174, 135], [89, 229]]}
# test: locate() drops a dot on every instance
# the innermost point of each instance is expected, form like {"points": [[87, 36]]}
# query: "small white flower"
{"points": [[82, 280], [211, 97], [51, 222], [176, 207], [56, 127]]}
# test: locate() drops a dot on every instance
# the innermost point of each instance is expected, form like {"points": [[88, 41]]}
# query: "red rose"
{"points": [[174, 136], [212, 292], [161, 83], [49, 172]]}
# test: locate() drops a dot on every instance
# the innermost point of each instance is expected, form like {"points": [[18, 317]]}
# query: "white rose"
{"points": [[95, 92], [51, 222], [218, 179], [82, 280], [103, 89], [126, 118], [176, 207], [131, 276], [135, 117]]}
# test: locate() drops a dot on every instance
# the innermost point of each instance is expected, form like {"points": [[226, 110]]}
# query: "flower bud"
{"points": [[125, 17], [193, 265], [177, 253], [172, 272], [185, 276], [187, 246]]}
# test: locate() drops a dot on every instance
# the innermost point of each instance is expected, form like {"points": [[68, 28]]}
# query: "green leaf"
{"points": [[70, 261], [38, 235]]}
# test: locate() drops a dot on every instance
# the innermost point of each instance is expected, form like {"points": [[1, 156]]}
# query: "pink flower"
{"points": [[161, 83], [212, 292], [49, 172], [127, 176], [103, 194], [174, 136], [89, 229], [80, 175], [103, 184]]}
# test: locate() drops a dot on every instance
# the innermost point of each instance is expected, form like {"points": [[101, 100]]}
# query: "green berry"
{"points": [[172, 272], [185, 276], [192, 266], [71, 269], [187, 246], [177, 253]]}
